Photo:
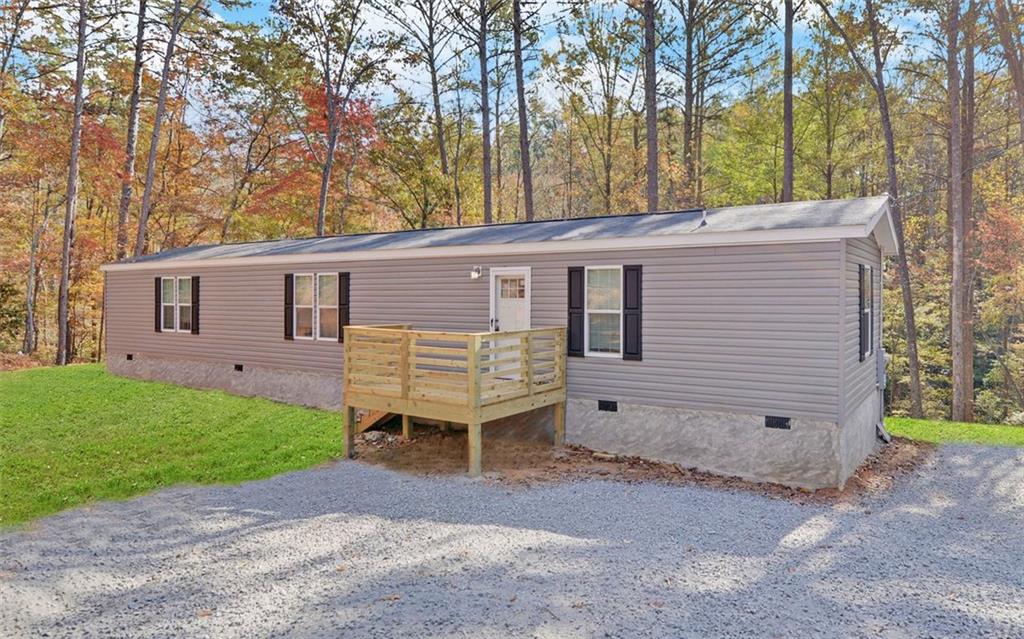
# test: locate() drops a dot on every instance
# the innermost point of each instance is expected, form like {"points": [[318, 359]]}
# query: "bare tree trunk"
{"points": [[499, 175], [903, 268], [128, 172], [609, 123], [956, 214], [787, 108], [442, 147], [1013, 52], [688, 98], [570, 157], [651, 104], [6, 55], [967, 147], [524, 130], [457, 166], [71, 199], [325, 173], [485, 109], [28, 345], [346, 199], [700, 112], [161, 107], [877, 81]]}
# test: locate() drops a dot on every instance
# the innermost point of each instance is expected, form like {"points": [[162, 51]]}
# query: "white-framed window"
{"points": [[176, 304], [168, 306], [305, 309], [867, 310], [316, 306], [185, 304], [327, 306], [602, 331]]}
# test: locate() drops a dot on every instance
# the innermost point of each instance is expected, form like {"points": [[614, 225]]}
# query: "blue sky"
{"points": [[254, 13]]}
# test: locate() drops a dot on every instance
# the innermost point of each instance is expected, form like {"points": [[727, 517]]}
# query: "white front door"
{"points": [[510, 299], [510, 311]]}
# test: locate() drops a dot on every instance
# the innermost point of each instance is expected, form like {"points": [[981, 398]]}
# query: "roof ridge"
{"points": [[802, 214]]}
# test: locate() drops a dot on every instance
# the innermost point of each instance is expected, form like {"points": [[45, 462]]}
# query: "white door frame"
{"points": [[493, 273]]}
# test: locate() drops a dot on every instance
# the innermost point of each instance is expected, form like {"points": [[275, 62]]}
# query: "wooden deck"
{"points": [[467, 378]]}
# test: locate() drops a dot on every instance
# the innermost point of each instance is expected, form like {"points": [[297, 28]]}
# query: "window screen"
{"points": [[327, 305], [304, 288], [604, 310]]}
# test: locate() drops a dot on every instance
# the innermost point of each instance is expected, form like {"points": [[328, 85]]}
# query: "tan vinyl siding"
{"points": [[859, 378], [749, 329]]}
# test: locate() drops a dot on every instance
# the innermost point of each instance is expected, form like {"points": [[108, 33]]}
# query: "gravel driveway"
{"points": [[353, 550]]}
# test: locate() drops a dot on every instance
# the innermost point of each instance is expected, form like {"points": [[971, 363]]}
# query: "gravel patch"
{"points": [[355, 550]]}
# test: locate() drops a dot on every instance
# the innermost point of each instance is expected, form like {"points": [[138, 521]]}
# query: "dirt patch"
{"points": [[14, 362], [524, 463]]}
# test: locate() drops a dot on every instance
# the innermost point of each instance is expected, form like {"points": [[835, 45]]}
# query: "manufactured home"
{"points": [[744, 340]]}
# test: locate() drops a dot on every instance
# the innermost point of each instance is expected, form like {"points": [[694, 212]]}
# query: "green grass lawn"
{"points": [[76, 434], [955, 432]]}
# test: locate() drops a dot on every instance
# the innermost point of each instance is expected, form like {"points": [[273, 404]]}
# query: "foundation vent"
{"points": [[606, 405], [129, 357], [238, 367], [777, 422]]}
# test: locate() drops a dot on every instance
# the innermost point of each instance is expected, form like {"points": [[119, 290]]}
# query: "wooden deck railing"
{"points": [[466, 378]]}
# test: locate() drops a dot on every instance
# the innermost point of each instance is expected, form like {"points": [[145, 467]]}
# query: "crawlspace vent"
{"points": [[772, 421]]}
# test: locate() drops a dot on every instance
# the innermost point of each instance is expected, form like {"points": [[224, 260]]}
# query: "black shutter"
{"points": [[289, 303], [195, 304], [343, 312], [577, 289], [159, 311], [862, 320], [632, 308]]}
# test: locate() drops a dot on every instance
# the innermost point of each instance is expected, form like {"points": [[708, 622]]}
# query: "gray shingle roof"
{"points": [[761, 217]]}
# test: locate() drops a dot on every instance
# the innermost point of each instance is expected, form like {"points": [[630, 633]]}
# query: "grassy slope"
{"points": [[949, 432], [76, 434]]}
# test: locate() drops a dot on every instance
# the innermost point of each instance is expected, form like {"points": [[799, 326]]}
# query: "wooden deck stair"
{"points": [[367, 419], [463, 378]]}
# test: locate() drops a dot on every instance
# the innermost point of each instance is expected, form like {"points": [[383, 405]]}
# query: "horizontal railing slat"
{"points": [[413, 369]]}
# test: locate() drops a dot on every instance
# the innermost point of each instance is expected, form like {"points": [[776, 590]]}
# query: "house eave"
{"points": [[701, 239], [881, 227]]}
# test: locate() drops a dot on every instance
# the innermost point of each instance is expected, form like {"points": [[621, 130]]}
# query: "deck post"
{"points": [[473, 394], [349, 430], [403, 369], [445, 376], [560, 424], [474, 449]]}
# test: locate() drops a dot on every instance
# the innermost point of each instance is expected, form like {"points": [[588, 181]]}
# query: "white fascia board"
{"points": [[884, 231], [726, 238]]}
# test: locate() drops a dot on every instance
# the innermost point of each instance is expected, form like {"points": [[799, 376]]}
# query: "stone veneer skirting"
{"points": [[292, 386], [859, 434], [812, 454], [289, 385]]}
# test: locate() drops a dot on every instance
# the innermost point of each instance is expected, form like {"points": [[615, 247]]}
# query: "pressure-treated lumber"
{"points": [[466, 378], [370, 418], [349, 428], [474, 449], [560, 424]]}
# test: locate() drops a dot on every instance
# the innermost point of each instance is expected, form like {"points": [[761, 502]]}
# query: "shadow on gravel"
{"points": [[354, 550]]}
